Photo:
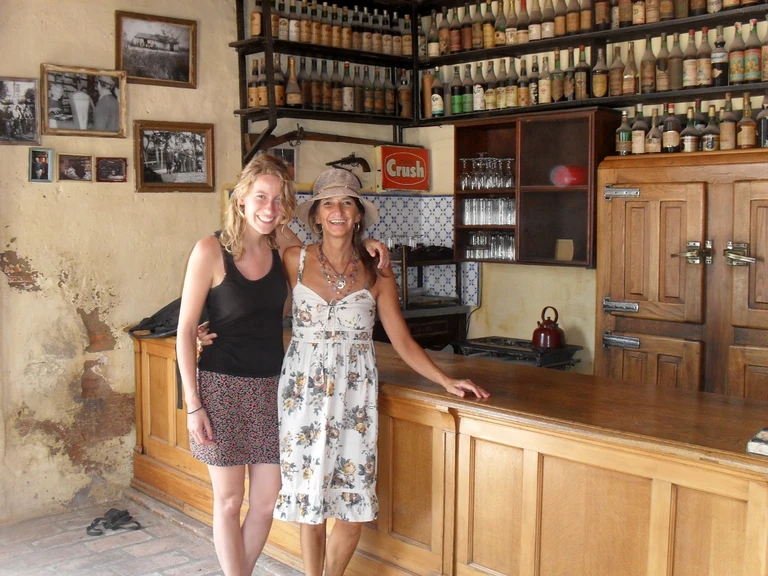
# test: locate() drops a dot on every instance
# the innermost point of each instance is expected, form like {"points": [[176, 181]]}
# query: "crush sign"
{"points": [[402, 168]]}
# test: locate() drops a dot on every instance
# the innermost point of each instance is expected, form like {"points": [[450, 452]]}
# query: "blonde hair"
{"points": [[235, 223]]}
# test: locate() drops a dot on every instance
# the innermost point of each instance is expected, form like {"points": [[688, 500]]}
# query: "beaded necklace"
{"points": [[338, 281]]}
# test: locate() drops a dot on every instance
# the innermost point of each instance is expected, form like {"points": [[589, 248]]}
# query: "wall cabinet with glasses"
{"points": [[541, 211], [683, 256]]}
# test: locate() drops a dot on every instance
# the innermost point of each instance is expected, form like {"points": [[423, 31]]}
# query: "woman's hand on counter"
{"points": [[459, 387]]}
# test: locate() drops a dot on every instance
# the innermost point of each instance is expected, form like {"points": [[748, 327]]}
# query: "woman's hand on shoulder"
{"points": [[459, 387], [376, 248]]}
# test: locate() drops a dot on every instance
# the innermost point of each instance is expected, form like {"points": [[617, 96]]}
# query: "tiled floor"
{"points": [[169, 544]]}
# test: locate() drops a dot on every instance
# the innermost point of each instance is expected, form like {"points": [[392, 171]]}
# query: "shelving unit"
{"points": [[405, 258]]}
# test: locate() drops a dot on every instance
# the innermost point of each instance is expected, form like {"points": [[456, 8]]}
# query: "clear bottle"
{"points": [[305, 85], [501, 85], [662, 66], [386, 34], [670, 133], [602, 15], [648, 69], [477, 28], [511, 30], [638, 12], [359, 89], [522, 35], [347, 91], [548, 20], [467, 90], [437, 103], [746, 129], [407, 37], [533, 81], [456, 92], [478, 88], [512, 84], [255, 28], [294, 23], [534, 21], [599, 76], [325, 88], [629, 79], [336, 89], [752, 55], [586, 16], [490, 88], [639, 131], [466, 29], [736, 58], [624, 136], [583, 84], [569, 78], [762, 123], [689, 137], [523, 86], [710, 136], [653, 138], [728, 125], [444, 32], [500, 26], [573, 17], [390, 97], [454, 33], [558, 79], [676, 65], [380, 96], [316, 85], [545, 83], [719, 60], [616, 73], [704, 60], [561, 17]]}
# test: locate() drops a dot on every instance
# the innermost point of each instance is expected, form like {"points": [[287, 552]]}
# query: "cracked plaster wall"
{"points": [[81, 261]]}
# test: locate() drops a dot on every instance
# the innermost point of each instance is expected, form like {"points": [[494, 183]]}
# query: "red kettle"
{"points": [[548, 335]]}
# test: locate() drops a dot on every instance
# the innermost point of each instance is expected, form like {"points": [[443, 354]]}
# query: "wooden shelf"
{"points": [[261, 114], [488, 192], [499, 227], [580, 188]]}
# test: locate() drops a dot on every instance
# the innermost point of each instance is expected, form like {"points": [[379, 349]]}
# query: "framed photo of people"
{"points": [[40, 165], [83, 101], [156, 49], [19, 111], [173, 156], [111, 169], [75, 167]]}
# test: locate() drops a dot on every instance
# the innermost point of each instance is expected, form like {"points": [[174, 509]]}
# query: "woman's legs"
{"points": [[341, 546], [264, 484], [228, 491], [313, 548]]}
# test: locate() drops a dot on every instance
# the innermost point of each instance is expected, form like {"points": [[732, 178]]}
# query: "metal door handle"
{"points": [[736, 254], [689, 254], [695, 252]]}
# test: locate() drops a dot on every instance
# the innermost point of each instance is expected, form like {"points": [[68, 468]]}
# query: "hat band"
{"points": [[334, 186]]}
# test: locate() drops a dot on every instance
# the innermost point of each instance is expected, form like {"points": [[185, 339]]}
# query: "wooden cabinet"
{"points": [[682, 295], [555, 156]]}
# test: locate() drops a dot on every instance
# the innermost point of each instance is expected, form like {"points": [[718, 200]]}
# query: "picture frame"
{"points": [[19, 111], [111, 169], [83, 101], [289, 155], [173, 156], [41, 165], [156, 49], [77, 167]]}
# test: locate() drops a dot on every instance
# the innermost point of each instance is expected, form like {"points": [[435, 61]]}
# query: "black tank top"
{"points": [[247, 316]]}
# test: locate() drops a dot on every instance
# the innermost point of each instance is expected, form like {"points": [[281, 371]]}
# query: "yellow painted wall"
{"points": [[95, 252]]}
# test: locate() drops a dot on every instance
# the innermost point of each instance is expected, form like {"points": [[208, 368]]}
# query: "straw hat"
{"points": [[332, 183]]}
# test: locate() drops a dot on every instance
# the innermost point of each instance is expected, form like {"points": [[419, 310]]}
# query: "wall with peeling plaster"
{"points": [[81, 261]]}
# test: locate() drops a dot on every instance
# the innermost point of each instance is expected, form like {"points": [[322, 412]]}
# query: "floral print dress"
{"points": [[327, 405]]}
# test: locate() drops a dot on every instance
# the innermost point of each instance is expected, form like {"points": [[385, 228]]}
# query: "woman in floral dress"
{"points": [[329, 384]]}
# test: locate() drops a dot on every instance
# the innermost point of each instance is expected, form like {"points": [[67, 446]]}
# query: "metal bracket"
{"points": [[610, 192], [737, 254], [611, 306], [619, 341]]}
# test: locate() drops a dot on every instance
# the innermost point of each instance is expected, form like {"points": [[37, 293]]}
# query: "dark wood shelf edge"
{"points": [[506, 227], [571, 264], [489, 192], [553, 188], [261, 114]]}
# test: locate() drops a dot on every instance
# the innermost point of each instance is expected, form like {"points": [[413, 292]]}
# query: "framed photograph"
{"points": [[19, 111], [289, 155], [40, 165], [83, 101], [173, 156], [111, 169], [75, 167], [156, 50]]}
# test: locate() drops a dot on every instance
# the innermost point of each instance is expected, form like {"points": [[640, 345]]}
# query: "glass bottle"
{"points": [[689, 137], [545, 83], [335, 27], [752, 54], [407, 40], [380, 97], [599, 76], [305, 85], [648, 69], [697, 7], [704, 60], [561, 16], [488, 26], [699, 118], [490, 88], [681, 8], [615, 73], [347, 91], [316, 84], [572, 17], [427, 79], [629, 79], [512, 83], [583, 84], [764, 58], [639, 131], [746, 129], [625, 13], [390, 97], [253, 85], [477, 28], [714, 6], [586, 16], [359, 90], [437, 103], [444, 32], [624, 136], [262, 91], [666, 10], [736, 57], [719, 60], [523, 85], [730, 4], [690, 61], [558, 79], [368, 98], [614, 14], [548, 20], [500, 26], [710, 136], [466, 29], [454, 33], [337, 102], [670, 133], [653, 138], [521, 35], [386, 34], [325, 88], [397, 36], [638, 12], [569, 78], [282, 21], [501, 85], [422, 41], [404, 95], [325, 26], [294, 24], [305, 24], [762, 123], [652, 11], [602, 15], [456, 92], [433, 40], [511, 30], [377, 33], [534, 21], [727, 125], [367, 32], [478, 88], [533, 81], [676, 65], [662, 66], [357, 30], [467, 90], [256, 20], [315, 24], [274, 18], [279, 83]]}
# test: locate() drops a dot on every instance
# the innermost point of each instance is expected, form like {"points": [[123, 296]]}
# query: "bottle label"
{"points": [[389, 102], [586, 20], [689, 73], [545, 91], [647, 77], [752, 70], [558, 86], [467, 102], [336, 36], [346, 38], [376, 43], [316, 33], [478, 97], [294, 31], [488, 35], [327, 95], [547, 29], [736, 67], [490, 99], [670, 139], [638, 13], [337, 99], [662, 80], [572, 22], [293, 99], [599, 85], [523, 96], [317, 95], [747, 136], [262, 96], [560, 26], [570, 85], [615, 81], [690, 144], [325, 34], [533, 93], [438, 108], [629, 85], [603, 14], [279, 95], [456, 104], [730, 4], [511, 96], [282, 29], [638, 141], [367, 42], [407, 43], [386, 44], [477, 35], [368, 102], [666, 9], [305, 31], [380, 105], [255, 23], [253, 96], [651, 11], [275, 22], [348, 99], [534, 32], [499, 39], [433, 49], [455, 40], [623, 143], [710, 143], [444, 39], [727, 135], [511, 36], [652, 145], [625, 11], [501, 97], [404, 101], [521, 36], [704, 72], [714, 6]]}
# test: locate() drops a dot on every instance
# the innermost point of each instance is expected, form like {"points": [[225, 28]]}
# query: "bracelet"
{"points": [[195, 410]]}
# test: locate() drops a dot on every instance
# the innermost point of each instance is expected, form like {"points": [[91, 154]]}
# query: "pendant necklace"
{"points": [[337, 280]]}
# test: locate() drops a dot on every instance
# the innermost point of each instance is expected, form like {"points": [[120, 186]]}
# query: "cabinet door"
{"points": [[645, 232], [750, 282], [748, 372], [669, 362]]}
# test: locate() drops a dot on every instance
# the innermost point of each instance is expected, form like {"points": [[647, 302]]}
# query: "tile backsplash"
{"points": [[430, 219]]}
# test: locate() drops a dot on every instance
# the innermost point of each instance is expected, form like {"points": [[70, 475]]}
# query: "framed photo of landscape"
{"points": [[19, 111], [83, 101], [156, 49], [173, 156]]}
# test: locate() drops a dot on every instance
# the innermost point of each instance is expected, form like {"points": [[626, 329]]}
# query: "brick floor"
{"points": [[169, 544]]}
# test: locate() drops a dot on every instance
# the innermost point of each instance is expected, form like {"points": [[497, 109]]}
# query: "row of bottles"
{"points": [[339, 91], [336, 27], [707, 133], [453, 32]]}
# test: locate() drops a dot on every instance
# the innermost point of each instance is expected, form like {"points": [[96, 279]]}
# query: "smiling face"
{"points": [[261, 205], [337, 215]]}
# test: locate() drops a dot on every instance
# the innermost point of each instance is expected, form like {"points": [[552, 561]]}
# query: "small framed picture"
{"points": [[83, 101], [290, 156], [111, 169], [156, 50], [173, 156], [40, 164], [75, 167], [19, 111]]}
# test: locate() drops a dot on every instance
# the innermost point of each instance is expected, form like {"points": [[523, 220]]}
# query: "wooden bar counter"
{"points": [[555, 474]]}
